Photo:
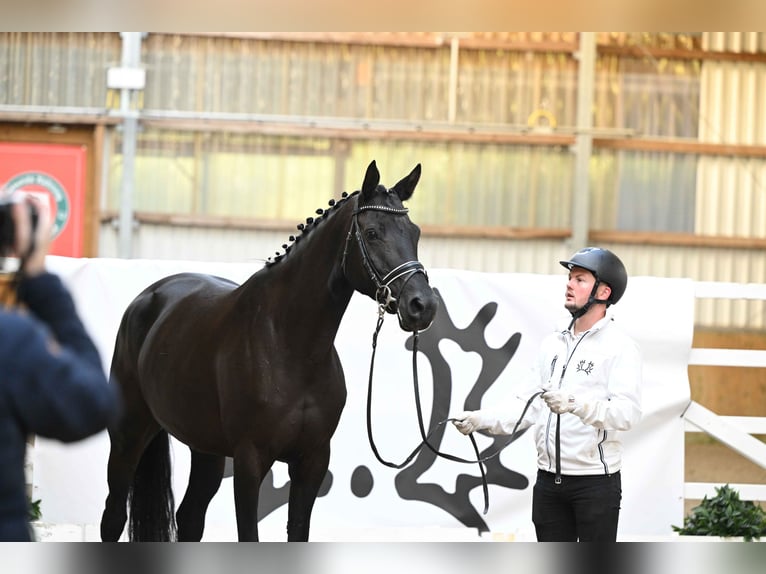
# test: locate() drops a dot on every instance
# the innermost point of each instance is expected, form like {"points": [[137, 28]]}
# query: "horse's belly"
{"points": [[203, 435], [187, 406]]}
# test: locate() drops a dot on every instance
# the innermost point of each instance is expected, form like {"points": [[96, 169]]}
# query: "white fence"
{"points": [[736, 432]]}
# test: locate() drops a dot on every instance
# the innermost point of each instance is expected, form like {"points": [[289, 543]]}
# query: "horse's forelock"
{"points": [[382, 195]]}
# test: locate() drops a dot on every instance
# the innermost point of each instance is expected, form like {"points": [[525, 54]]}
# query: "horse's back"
{"points": [[173, 288], [158, 301], [166, 292]]}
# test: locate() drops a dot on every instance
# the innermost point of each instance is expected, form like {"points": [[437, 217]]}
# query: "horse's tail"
{"points": [[151, 503]]}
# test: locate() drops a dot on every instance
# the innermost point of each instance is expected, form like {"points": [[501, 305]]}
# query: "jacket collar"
{"points": [[605, 320]]}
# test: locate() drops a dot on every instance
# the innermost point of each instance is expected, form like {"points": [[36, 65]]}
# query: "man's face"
{"points": [[579, 287]]}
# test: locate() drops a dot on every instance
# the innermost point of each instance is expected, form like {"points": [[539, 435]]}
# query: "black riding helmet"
{"points": [[606, 267]]}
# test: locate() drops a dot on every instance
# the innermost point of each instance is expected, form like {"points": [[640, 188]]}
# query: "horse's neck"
{"points": [[307, 288]]}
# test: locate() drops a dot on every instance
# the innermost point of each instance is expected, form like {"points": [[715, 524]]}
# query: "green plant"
{"points": [[35, 513], [725, 515]]}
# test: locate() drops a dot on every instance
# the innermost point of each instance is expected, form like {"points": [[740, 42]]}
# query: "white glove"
{"points": [[469, 421], [559, 402]]}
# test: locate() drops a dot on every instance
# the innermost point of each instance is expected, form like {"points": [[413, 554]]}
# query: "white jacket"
{"points": [[601, 369]]}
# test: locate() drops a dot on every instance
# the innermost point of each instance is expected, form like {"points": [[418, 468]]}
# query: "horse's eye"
{"points": [[370, 234]]}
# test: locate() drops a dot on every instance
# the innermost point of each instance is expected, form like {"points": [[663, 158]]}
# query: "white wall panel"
{"points": [[196, 244], [488, 255]]}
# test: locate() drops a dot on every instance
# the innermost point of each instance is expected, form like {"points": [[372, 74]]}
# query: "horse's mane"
{"points": [[311, 223]]}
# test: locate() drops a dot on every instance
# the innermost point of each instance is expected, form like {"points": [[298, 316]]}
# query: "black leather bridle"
{"points": [[406, 270]]}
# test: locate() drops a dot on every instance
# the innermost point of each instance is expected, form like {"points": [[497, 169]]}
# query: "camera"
{"points": [[8, 227]]}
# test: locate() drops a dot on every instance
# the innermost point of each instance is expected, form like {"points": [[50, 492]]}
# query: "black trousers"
{"points": [[584, 508]]}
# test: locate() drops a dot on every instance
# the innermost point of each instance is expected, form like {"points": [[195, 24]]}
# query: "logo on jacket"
{"points": [[585, 367]]}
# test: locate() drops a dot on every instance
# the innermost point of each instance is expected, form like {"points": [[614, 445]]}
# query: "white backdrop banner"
{"points": [[482, 343]]}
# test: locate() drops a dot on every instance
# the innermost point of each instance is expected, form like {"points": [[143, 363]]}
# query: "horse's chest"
{"points": [[283, 414]]}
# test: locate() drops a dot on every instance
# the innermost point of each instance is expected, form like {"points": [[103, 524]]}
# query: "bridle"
{"points": [[406, 270]]}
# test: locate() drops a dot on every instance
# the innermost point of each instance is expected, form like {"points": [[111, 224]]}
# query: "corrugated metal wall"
{"points": [[717, 196], [281, 177], [647, 95], [233, 174], [56, 69], [751, 42], [731, 197], [731, 193], [509, 185], [240, 75]]}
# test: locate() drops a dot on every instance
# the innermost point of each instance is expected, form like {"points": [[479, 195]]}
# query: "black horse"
{"points": [[251, 372]]}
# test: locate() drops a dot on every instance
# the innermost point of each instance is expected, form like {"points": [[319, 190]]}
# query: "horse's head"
{"points": [[381, 257]]}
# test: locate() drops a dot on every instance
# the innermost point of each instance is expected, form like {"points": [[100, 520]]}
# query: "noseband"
{"points": [[406, 270]]}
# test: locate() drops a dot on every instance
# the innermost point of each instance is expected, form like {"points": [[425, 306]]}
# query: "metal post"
{"points": [[583, 140], [131, 59]]}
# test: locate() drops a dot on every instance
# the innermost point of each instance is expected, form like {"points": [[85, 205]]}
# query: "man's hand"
{"points": [[559, 402], [468, 422], [37, 239]]}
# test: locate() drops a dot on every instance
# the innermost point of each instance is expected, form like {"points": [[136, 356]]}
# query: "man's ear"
{"points": [[604, 292]]}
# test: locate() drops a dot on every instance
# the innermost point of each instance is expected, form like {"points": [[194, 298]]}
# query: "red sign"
{"points": [[55, 174]]}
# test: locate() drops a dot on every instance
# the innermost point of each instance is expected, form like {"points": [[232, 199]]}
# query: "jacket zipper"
{"points": [[561, 382], [550, 417], [601, 453]]}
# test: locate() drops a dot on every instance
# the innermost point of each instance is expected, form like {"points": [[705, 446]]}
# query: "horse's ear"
{"points": [[406, 186], [371, 181]]}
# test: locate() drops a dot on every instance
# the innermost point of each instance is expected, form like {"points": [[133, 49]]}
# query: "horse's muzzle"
{"points": [[416, 308]]}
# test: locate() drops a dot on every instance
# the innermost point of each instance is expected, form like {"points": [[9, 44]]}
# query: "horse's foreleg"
{"points": [[306, 476], [204, 480], [249, 469]]}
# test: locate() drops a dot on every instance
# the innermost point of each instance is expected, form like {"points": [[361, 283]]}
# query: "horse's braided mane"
{"points": [[311, 223]]}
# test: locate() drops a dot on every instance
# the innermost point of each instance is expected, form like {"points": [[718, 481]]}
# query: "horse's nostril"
{"points": [[422, 309], [416, 306]]}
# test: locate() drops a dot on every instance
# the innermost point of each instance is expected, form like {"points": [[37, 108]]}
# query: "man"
{"points": [[51, 379], [588, 376]]}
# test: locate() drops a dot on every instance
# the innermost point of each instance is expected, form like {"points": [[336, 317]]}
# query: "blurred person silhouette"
{"points": [[52, 382], [588, 378]]}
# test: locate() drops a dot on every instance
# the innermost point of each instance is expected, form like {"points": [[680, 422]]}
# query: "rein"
{"points": [[479, 459], [384, 298]]}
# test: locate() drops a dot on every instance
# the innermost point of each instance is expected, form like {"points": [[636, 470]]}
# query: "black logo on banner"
{"points": [[457, 503], [493, 362]]}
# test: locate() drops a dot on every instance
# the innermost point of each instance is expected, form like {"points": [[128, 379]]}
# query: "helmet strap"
{"points": [[577, 313]]}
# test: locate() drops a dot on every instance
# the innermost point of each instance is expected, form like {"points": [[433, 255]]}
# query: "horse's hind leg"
{"points": [[127, 445], [128, 437], [204, 480], [306, 476], [119, 476]]}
